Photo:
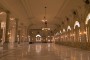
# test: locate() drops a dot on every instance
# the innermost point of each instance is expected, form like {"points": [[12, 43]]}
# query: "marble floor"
{"points": [[44, 51]]}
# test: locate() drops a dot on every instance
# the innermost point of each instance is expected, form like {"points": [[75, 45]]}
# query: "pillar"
{"points": [[16, 31], [7, 27], [0, 33]]}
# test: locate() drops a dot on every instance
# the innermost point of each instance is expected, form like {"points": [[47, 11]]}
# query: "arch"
{"points": [[38, 35], [76, 24], [2, 13], [87, 28], [38, 38], [87, 19], [68, 28]]}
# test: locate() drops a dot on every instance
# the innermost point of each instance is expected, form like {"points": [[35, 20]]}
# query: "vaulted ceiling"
{"points": [[31, 12]]}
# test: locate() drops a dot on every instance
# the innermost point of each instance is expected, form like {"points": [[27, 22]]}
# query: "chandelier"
{"points": [[45, 21]]}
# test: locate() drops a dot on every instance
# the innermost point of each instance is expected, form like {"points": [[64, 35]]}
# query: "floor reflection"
{"points": [[38, 48], [28, 48], [45, 51], [49, 47]]}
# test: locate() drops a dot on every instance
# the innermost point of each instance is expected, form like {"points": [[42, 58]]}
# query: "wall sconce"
{"points": [[80, 33], [84, 32], [9, 33]]}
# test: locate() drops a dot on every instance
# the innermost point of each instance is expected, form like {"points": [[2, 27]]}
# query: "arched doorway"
{"points": [[77, 31], [38, 38], [88, 28], [61, 38], [68, 33]]}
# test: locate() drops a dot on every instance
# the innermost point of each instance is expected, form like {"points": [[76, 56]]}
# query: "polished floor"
{"points": [[42, 51]]}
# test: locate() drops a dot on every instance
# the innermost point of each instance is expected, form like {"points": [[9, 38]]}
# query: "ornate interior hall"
{"points": [[44, 29]]}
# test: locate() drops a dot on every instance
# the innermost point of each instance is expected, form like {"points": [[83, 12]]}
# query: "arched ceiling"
{"points": [[31, 12]]}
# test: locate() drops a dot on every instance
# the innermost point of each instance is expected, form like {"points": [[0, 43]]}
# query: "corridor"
{"points": [[45, 51], [44, 29]]}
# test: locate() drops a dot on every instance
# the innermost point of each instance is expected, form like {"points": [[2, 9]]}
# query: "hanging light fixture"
{"points": [[45, 21]]}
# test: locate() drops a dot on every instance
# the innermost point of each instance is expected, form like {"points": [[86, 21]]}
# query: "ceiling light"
{"points": [[45, 22], [45, 28]]}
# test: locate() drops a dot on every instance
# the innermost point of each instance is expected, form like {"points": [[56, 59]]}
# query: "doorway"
{"points": [[38, 38]]}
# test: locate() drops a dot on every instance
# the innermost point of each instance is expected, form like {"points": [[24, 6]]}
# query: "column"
{"points": [[26, 34], [0, 33], [16, 31], [7, 27]]}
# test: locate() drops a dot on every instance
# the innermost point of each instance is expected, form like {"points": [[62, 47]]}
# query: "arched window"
{"points": [[68, 28], [87, 19], [76, 24], [88, 27]]}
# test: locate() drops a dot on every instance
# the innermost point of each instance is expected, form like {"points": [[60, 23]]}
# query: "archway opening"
{"points": [[87, 19], [87, 27], [77, 32], [76, 24], [68, 28], [38, 38], [68, 34]]}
